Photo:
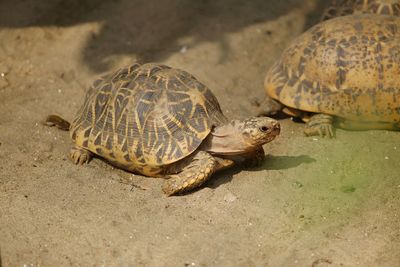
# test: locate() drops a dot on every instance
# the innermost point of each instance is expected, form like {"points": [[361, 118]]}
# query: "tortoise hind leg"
{"points": [[320, 124], [193, 172], [80, 155]]}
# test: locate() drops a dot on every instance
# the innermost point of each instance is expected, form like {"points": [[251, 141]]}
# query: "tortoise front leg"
{"points": [[80, 155], [194, 172], [320, 124], [254, 158], [250, 159], [223, 163]]}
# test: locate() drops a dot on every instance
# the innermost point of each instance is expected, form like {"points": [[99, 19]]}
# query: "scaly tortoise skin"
{"points": [[345, 68], [347, 7], [162, 122]]}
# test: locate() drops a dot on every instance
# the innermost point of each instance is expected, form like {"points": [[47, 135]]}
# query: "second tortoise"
{"points": [[344, 71], [348, 7]]}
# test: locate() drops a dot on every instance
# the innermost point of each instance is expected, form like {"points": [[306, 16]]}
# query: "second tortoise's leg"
{"points": [[193, 172], [267, 106], [320, 124], [80, 155]]}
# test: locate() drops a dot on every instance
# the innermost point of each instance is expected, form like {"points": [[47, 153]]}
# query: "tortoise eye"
{"points": [[263, 129]]}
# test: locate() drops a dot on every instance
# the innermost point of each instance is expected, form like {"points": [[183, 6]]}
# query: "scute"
{"points": [[347, 67], [146, 116], [348, 7]]}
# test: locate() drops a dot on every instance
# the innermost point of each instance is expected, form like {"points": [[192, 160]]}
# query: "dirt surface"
{"points": [[314, 202]]}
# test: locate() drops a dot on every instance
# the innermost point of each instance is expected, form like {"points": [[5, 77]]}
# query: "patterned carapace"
{"points": [[146, 116], [347, 67], [347, 7]]}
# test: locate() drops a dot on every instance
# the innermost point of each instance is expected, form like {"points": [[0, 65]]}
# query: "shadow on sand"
{"points": [[150, 29], [271, 163], [285, 162]]}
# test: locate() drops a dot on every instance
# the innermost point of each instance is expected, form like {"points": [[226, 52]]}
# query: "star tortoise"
{"points": [[344, 71], [159, 121], [347, 7]]}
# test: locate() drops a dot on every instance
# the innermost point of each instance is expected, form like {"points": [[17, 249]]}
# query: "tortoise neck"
{"points": [[229, 143]]}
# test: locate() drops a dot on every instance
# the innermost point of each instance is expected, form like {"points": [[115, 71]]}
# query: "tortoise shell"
{"points": [[347, 7], [347, 67], [146, 116]]}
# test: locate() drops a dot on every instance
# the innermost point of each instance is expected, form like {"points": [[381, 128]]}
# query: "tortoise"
{"points": [[348, 7], [159, 121], [342, 72]]}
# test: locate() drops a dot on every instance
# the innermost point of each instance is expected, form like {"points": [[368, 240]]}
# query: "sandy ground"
{"points": [[314, 202]]}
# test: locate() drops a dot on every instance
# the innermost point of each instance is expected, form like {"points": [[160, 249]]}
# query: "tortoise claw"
{"points": [[80, 155], [320, 124]]}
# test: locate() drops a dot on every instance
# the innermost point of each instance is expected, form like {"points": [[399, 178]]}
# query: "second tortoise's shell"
{"points": [[347, 7], [146, 116], [348, 67]]}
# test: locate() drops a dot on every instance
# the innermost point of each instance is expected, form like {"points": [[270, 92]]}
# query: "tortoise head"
{"points": [[242, 136], [257, 131]]}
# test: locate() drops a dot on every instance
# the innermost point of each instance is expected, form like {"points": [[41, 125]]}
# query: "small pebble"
{"points": [[183, 49], [4, 70], [229, 197], [297, 184]]}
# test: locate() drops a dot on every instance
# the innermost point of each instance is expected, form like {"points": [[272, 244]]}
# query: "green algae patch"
{"points": [[348, 189]]}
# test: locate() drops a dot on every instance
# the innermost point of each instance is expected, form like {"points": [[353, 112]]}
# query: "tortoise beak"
{"points": [[276, 128]]}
